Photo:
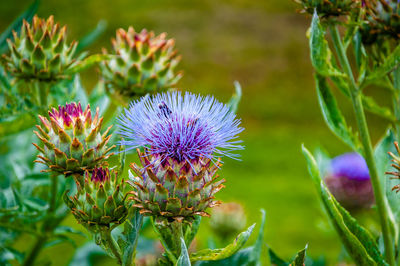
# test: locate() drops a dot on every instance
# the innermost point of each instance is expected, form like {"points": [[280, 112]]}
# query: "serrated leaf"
{"points": [[129, 238], [183, 259], [358, 242], [233, 103], [321, 55], [300, 258], [222, 253], [332, 115]]}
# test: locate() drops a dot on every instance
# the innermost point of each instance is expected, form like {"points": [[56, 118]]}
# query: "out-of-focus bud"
{"points": [[349, 181], [227, 220], [329, 8]]}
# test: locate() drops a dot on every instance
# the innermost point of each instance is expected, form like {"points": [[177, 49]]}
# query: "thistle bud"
{"points": [[381, 21], [144, 63], [40, 52], [329, 8], [181, 135], [349, 181], [99, 201], [396, 165], [72, 140], [227, 220]]}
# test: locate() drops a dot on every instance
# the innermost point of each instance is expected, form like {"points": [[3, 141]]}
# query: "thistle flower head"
{"points": [[144, 63], [182, 134], [40, 52], [72, 140], [99, 201], [328, 8], [349, 181], [181, 127]]}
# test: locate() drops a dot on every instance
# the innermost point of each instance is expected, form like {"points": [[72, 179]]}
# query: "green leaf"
{"points": [[300, 258], [88, 62], [383, 165], [321, 55], [332, 115], [233, 103], [85, 255], [358, 242], [191, 232], [92, 36], [257, 248], [183, 259], [275, 259], [129, 238], [389, 64], [222, 253], [17, 24]]}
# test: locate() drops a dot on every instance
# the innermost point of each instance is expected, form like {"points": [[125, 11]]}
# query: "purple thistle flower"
{"points": [[100, 175], [184, 127], [349, 181]]}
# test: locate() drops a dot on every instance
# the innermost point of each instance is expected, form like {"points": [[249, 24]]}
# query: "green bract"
{"points": [[72, 140], [176, 190], [99, 201], [144, 64], [40, 52]]}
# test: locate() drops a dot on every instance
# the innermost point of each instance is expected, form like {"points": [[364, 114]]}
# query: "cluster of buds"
{"points": [[72, 140], [40, 52], [228, 220], [100, 201], [329, 8], [349, 182], [173, 189], [144, 63], [381, 21]]}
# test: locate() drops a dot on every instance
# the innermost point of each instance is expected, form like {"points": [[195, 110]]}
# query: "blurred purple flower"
{"points": [[349, 181], [184, 127]]}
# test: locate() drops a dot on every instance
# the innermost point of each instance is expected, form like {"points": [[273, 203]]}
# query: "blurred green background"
{"points": [[262, 44]]}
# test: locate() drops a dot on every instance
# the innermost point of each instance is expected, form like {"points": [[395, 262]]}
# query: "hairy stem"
{"points": [[355, 93]]}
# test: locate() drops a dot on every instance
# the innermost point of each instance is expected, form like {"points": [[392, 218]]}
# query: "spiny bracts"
{"points": [[171, 189], [145, 63], [396, 165], [329, 8], [72, 140], [100, 200], [381, 21], [40, 52]]}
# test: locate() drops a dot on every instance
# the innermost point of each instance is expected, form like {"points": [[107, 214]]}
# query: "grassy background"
{"points": [[262, 44]]}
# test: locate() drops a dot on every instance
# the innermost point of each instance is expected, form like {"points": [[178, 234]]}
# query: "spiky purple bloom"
{"points": [[184, 127], [68, 114], [100, 175], [349, 181]]}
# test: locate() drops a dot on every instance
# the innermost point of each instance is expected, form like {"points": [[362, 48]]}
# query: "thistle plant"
{"points": [[144, 63], [369, 33], [181, 135], [72, 140]]}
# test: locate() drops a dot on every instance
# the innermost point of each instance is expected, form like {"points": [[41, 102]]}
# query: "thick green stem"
{"points": [[112, 245], [34, 251], [381, 202], [396, 99]]}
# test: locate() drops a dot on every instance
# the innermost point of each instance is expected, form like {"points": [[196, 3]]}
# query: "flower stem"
{"points": [[112, 245], [355, 93], [396, 100]]}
